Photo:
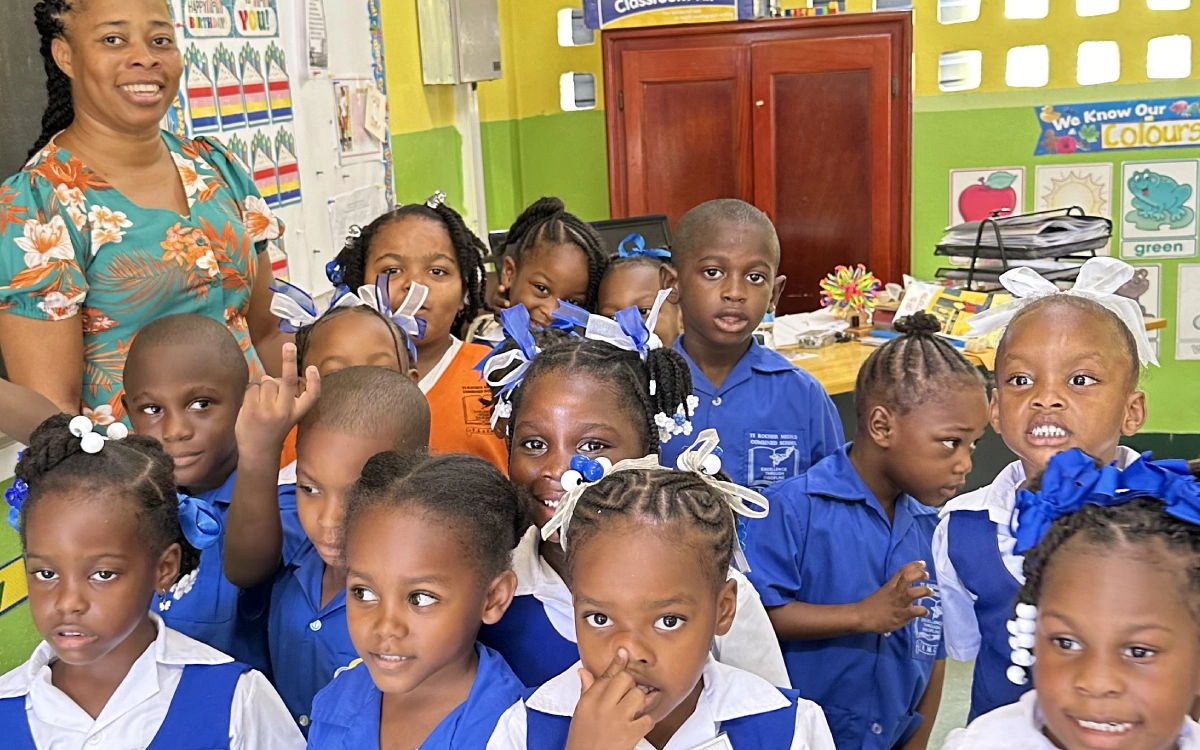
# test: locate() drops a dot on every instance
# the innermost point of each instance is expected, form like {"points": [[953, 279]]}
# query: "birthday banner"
{"points": [[627, 14], [1118, 126]]}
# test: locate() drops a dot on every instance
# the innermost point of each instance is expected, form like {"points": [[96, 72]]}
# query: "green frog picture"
{"points": [[1159, 200]]}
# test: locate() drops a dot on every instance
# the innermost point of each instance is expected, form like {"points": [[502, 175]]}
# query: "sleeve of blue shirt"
{"points": [[824, 424], [775, 545]]}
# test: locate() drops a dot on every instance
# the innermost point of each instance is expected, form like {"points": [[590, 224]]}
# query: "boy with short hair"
{"points": [[775, 420]]}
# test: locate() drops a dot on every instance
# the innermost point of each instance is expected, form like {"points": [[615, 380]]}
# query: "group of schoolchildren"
{"points": [[614, 520]]}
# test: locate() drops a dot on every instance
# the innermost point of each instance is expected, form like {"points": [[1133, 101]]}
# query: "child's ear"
{"points": [[1135, 414], [167, 572], [668, 278], [726, 606], [499, 596], [508, 272], [777, 291], [881, 426], [501, 428], [995, 410], [414, 376]]}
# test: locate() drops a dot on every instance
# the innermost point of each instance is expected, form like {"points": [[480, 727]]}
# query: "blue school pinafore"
{"points": [[198, 718], [529, 643], [976, 557]]}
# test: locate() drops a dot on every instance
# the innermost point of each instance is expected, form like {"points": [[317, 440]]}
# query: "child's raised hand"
{"points": [[608, 715], [273, 407], [891, 607]]}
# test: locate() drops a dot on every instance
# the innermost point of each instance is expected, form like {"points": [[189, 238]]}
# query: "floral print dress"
{"points": [[71, 244]]}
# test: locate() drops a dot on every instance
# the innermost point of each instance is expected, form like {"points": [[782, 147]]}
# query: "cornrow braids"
{"points": [[481, 506], [469, 253], [136, 469], [50, 17], [624, 371], [547, 221], [908, 371], [659, 496], [1139, 522], [305, 335]]}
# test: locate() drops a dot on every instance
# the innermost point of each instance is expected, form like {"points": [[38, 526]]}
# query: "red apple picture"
{"points": [[992, 195]]}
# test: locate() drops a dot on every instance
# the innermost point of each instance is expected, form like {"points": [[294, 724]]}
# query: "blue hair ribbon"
{"points": [[626, 330], [16, 495], [639, 249], [335, 272], [504, 370], [1072, 480], [202, 525], [294, 307]]}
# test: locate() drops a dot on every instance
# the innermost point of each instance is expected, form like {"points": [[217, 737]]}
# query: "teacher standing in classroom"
{"points": [[114, 222]]}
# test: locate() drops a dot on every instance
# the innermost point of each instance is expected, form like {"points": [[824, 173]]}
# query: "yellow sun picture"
{"points": [[1077, 189]]}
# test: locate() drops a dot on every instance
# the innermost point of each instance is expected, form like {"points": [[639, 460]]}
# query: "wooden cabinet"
{"points": [[809, 119]]}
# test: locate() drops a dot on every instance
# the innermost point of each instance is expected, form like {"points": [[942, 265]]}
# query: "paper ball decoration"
{"points": [[850, 291]]}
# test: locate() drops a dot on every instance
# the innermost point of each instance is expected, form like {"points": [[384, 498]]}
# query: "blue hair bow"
{"points": [[16, 495], [626, 330], [201, 524], [639, 249], [294, 307], [1073, 481], [504, 370], [335, 272]]}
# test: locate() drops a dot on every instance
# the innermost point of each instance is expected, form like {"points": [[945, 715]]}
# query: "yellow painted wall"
{"points": [[414, 107]]}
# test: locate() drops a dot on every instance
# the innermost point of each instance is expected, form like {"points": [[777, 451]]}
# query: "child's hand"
{"points": [[273, 407], [891, 607], [608, 714]]}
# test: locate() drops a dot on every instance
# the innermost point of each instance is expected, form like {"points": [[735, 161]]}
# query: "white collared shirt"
{"points": [[750, 644], [431, 378], [258, 719], [958, 604], [728, 693], [1021, 725]]}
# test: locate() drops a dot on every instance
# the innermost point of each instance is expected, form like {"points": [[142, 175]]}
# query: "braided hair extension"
{"points": [[469, 253], [547, 221], [50, 16], [305, 335], [905, 372], [1139, 522], [481, 506], [624, 371], [136, 469], [658, 497]]}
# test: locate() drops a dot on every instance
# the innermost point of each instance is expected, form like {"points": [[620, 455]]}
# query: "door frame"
{"points": [[897, 24]]}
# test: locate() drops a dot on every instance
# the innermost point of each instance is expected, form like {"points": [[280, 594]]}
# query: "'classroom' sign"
{"points": [[628, 14], [1117, 126]]}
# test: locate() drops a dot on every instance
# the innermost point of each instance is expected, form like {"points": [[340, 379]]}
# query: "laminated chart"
{"points": [[201, 97], [288, 167], [229, 88], [255, 18], [239, 149], [254, 86], [278, 84], [263, 169], [206, 19]]}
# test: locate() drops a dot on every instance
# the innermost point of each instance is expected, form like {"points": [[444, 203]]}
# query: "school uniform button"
{"points": [[303, 721], [314, 626], [876, 728], [716, 401], [95, 739]]}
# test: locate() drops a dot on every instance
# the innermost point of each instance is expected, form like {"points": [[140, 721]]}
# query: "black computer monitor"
{"points": [[655, 229]]}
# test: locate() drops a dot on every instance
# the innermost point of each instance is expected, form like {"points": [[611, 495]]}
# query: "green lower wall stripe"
{"points": [[428, 161]]}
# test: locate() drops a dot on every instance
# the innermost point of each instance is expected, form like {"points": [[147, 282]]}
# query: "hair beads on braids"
{"points": [[50, 16], [626, 373], [658, 497], [136, 470], [469, 253], [1139, 522], [907, 371], [547, 221]]}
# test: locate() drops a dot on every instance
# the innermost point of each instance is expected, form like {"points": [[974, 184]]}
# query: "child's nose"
{"points": [[70, 599], [1099, 676], [634, 645], [176, 427]]}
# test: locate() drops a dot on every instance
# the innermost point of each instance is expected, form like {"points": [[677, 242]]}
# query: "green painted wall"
{"points": [[426, 161], [1006, 137]]}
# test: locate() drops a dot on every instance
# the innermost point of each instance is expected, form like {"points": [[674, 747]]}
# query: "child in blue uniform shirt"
{"points": [[1067, 372], [184, 383], [648, 552], [104, 532], [360, 411], [428, 550], [775, 419], [841, 560]]}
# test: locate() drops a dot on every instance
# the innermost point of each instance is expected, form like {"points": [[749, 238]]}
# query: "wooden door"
{"points": [[831, 145], [682, 133]]}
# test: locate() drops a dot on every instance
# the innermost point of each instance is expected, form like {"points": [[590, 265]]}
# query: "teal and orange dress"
{"points": [[71, 244]]}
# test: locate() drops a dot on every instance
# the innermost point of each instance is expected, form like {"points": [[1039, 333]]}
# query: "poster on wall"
{"points": [[975, 194], [1116, 126], [1088, 186], [1158, 209], [211, 19], [1187, 339], [1145, 288], [350, 100], [626, 14]]}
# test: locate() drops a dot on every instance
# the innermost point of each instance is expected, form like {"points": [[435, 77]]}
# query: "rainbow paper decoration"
{"points": [[254, 87], [288, 167], [229, 88], [239, 149], [278, 85], [262, 166], [850, 291], [201, 97]]}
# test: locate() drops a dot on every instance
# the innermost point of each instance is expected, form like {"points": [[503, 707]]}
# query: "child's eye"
{"points": [[104, 576], [542, 289], [596, 619], [711, 273], [44, 575], [756, 278], [592, 446], [200, 404], [421, 599], [152, 410], [1082, 381], [669, 622], [364, 594], [1066, 644], [1140, 652], [1020, 381], [308, 489], [391, 271], [439, 272], [974, 445], [952, 443], [536, 445]]}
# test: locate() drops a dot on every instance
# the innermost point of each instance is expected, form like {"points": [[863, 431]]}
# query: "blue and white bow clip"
{"points": [[639, 249], [626, 330], [503, 370], [296, 309]]}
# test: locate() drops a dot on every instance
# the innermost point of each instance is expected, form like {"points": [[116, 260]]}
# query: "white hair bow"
{"points": [[625, 330], [1099, 279]]}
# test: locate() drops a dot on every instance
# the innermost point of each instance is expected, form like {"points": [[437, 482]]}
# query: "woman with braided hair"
{"points": [[115, 223]]}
